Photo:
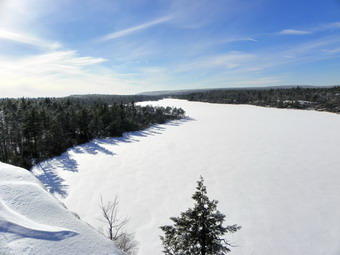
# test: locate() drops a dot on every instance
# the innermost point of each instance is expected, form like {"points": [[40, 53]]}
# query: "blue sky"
{"points": [[58, 48]]}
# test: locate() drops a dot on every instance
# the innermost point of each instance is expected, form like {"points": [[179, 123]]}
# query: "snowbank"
{"points": [[34, 222]]}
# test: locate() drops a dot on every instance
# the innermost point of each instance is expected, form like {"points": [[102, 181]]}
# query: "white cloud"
{"points": [[16, 13], [328, 26], [229, 60], [58, 73], [293, 32], [28, 39], [23, 22], [251, 39], [332, 51], [311, 30], [134, 29], [312, 51], [311, 48], [59, 62], [237, 39]]}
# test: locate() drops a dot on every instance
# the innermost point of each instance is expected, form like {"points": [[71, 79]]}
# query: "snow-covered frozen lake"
{"points": [[274, 172]]}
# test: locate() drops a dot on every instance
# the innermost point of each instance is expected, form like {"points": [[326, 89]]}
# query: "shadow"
{"points": [[47, 171], [67, 163], [52, 182], [76, 149], [179, 122], [94, 148], [22, 231], [158, 127], [147, 132], [126, 138]]}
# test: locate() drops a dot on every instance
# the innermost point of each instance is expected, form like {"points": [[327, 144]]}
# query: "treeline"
{"points": [[32, 130], [321, 99], [111, 99]]}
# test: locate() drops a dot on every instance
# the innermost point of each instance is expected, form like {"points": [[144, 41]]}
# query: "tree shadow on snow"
{"points": [[48, 171], [67, 163], [52, 182], [179, 122], [93, 147]]}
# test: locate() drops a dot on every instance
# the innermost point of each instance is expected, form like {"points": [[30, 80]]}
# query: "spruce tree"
{"points": [[198, 231]]}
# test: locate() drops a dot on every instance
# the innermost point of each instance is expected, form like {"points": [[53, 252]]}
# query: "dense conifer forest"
{"points": [[32, 130], [321, 99], [111, 99]]}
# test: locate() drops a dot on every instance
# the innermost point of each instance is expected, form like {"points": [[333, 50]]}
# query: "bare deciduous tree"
{"points": [[127, 243], [114, 227]]}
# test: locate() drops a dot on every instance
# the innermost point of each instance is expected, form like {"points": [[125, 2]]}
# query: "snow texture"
{"points": [[34, 222], [275, 172]]}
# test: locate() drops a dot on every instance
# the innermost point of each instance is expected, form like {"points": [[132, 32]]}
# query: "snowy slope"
{"points": [[34, 222], [275, 172]]}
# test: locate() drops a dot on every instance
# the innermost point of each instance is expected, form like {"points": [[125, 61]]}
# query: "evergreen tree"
{"points": [[32, 130], [198, 231]]}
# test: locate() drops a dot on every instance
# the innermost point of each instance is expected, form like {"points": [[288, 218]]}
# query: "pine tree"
{"points": [[198, 231]]}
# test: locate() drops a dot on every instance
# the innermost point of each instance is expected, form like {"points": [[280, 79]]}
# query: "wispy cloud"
{"points": [[59, 73], [332, 51], [262, 81], [209, 44], [327, 26], [311, 30], [241, 39], [229, 60], [28, 39], [311, 48], [250, 39], [134, 29], [285, 57], [293, 32], [59, 62]]}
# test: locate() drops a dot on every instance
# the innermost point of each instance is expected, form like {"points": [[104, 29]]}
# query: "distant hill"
{"points": [[189, 91], [309, 97], [296, 97]]}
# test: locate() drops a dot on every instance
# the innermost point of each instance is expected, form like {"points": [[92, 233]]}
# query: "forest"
{"points": [[318, 98], [33, 130]]}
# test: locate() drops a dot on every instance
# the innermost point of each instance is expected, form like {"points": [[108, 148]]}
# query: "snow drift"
{"points": [[34, 222]]}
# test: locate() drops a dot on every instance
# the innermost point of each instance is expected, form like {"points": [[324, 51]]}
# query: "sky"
{"points": [[57, 48]]}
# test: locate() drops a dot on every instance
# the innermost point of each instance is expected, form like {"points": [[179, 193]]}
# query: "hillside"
{"points": [[306, 97], [274, 171], [193, 91], [34, 222]]}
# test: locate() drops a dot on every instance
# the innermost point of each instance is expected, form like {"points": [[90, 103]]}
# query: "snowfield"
{"points": [[274, 172], [34, 222]]}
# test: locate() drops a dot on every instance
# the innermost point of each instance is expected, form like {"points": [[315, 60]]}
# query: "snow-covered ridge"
{"points": [[33, 222]]}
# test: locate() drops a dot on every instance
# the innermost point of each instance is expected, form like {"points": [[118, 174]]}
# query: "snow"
{"points": [[275, 172], [34, 222]]}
